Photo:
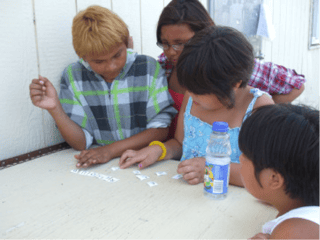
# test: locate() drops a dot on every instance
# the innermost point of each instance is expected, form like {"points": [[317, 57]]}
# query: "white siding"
{"points": [[21, 128], [45, 48], [53, 26], [128, 13], [291, 19], [149, 17], [36, 39]]}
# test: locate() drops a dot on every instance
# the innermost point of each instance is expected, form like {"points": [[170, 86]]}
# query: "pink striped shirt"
{"points": [[267, 76]]}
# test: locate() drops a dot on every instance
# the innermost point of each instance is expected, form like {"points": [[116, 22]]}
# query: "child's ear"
{"points": [[275, 179], [237, 85]]}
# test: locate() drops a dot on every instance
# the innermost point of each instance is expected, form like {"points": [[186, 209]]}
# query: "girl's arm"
{"points": [[282, 83], [149, 155], [191, 169], [284, 98], [235, 176], [106, 153]]}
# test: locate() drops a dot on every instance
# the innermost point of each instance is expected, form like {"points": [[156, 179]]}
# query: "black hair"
{"points": [[285, 138], [189, 12], [214, 61]]}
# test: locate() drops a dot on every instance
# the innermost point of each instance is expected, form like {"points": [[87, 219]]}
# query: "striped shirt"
{"points": [[267, 76], [137, 100]]}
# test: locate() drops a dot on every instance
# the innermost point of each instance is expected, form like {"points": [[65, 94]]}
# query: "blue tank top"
{"points": [[197, 133]]}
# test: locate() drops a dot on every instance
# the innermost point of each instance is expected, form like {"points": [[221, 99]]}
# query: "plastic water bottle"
{"points": [[217, 170]]}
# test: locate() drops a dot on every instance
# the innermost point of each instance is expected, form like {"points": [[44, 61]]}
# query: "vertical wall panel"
{"points": [[290, 47], [287, 44], [20, 122], [277, 23], [130, 14], [166, 2], [150, 12], [25, 128], [299, 28], [293, 35], [310, 62], [53, 22], [83, 4], [282, 31], [267, 43]]}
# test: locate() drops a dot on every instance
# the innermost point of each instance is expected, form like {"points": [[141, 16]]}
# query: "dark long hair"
{"points": [[189, 12]]}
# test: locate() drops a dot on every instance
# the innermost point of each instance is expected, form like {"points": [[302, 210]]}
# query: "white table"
{"points": [[43, 199]]}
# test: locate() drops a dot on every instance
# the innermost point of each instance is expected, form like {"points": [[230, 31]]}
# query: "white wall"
{"points": [[45, 48], [36, 39], [290, 48]]}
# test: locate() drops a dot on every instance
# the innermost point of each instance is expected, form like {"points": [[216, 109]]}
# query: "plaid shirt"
{"points": [[138, 100], [269, 77]]}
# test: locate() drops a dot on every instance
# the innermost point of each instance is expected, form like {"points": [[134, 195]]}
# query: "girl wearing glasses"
{"points": [[177, 24]]}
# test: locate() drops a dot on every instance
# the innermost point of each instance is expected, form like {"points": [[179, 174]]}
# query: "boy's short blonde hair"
{"points": [[97, 30]]}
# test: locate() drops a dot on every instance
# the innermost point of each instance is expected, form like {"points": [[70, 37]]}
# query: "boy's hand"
{"points": [[146, 156], [43, 94], [192, 170], [261, 236], [93, 156]]}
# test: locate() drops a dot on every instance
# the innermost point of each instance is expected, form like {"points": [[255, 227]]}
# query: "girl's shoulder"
{"points": [[296, 228], [263, 98]]}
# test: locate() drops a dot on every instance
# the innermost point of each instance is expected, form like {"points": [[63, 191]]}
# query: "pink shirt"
{"points": [[268, 77]]}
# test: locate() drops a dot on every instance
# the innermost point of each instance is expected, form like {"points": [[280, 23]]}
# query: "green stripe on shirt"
{"points": [[69, 101], [73, 85], [116, 107], [152, 89], [94, 93], [84, 120], [104, 141]]}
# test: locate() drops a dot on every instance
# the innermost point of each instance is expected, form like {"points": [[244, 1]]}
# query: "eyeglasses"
{"points": [[176, 47]]}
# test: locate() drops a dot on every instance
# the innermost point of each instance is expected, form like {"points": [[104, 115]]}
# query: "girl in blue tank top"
{"points": [[214, 68]]}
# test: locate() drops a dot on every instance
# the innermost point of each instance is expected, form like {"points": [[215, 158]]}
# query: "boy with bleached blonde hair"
{"points": [[111, 97]]}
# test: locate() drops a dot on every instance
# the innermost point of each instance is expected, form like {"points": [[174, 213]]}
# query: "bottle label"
{"points": [[216, 178]]}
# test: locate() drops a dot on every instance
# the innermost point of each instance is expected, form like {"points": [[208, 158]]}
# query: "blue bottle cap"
{"points": [[220, 127]]}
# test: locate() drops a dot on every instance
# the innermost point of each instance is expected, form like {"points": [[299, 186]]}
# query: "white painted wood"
{"points": [[296, 49], [310, 62], [299, 26], [166, 2], [20, 124], [277, 23], [290, 47], [267, 43], [53, 22], [129, 11], [287, 45], [281, 32], [22, 127], [43, 199], [285, 31], [204, 3], [150, 12], [83, 4]]}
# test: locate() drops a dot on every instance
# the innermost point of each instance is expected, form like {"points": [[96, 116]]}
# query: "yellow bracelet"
{"points": [[163, 147]]}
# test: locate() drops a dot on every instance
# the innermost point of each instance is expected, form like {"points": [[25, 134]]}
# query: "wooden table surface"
{"points": [[43, 199]]}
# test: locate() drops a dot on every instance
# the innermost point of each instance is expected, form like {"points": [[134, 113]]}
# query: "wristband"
{"points": [[163, 147]]}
